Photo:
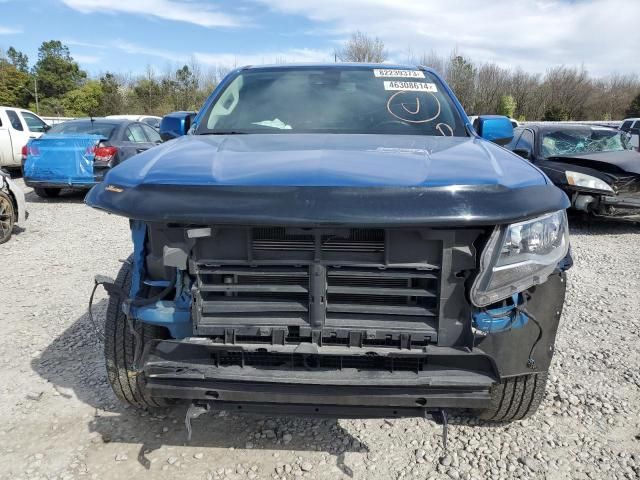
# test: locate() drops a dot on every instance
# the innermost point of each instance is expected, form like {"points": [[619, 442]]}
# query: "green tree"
{"points": [[186, 86], [460, 75], [634, 108], [147, 95], [18, 59], [507, 106], [56, 70], [556, 114], [112, 100], [13, 85], [83, 101]]}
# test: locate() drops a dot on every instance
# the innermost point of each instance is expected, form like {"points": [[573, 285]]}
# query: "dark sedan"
{"points": [[594, 165], [76, 154]]}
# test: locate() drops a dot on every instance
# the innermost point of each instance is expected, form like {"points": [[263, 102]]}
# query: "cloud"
{"points": [[194, 12], [534, 34], [86, 58], [294, 55], [79, 43], [9, 30]]}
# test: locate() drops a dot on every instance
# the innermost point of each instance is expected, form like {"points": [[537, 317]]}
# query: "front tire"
{"points": [[128, 384], [516, 398], [47, 192], [7, 217]]}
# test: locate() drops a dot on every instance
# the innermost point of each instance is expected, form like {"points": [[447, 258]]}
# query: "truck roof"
{"points": [[337, 66]]}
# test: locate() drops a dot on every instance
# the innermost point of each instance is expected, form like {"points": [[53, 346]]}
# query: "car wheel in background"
{"points": [[47, 192], [7, 217]]}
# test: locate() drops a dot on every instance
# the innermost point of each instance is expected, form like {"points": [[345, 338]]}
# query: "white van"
{"points": [[17, 126]]}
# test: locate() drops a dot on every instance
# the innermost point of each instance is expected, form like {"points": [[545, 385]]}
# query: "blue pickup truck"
{"points": [[335, 240]]}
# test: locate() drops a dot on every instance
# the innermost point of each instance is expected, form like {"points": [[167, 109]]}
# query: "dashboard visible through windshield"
{"points": [[333, 100]]}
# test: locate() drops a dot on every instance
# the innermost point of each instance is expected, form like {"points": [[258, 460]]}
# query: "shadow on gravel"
{"points": [[74, 364], [67, 195], [586, 225]]}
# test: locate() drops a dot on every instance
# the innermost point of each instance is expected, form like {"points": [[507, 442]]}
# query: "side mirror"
{"points": [[46, 127], [495, 128], [175, 124], [526, 154]]}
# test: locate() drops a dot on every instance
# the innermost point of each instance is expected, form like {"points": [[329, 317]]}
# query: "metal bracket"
{"points": [[193, 412]]}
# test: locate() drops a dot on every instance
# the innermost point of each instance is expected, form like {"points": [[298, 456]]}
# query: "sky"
{"points": [[128, 36]]}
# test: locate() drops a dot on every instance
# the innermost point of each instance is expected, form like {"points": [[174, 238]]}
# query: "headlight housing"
{"points": [[519, 256], [587, 181]]}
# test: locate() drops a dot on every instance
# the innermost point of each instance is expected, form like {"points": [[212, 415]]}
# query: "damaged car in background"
{"points": [[596, 166], [336, 240], [77, 153], [13, 208]]}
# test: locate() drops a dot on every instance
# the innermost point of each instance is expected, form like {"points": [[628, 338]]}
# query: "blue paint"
{"points": [[174, 315], [157, 283], [175, 124], [167, 314], [138, 236], [61, 159], [501, 319], [326, 160], [495, 128]]}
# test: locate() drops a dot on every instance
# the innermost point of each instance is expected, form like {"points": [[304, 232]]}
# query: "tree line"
{"points": [[55, 85], [64, 89], [562, 93]]}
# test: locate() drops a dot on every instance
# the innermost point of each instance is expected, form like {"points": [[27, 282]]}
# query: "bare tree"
{"points": [[433, 60], [491, 86], [362, 48]]}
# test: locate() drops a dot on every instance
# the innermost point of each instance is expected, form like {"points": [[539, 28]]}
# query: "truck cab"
{"points": [[17, 127]]}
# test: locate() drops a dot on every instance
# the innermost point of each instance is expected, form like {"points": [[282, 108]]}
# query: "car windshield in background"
{"points": [[333, 100], [88, 128], [574, 141]]}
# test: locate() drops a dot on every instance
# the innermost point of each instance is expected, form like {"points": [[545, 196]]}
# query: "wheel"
{"points": [[119, 350], [47, 192], [516, 398], [7, 217]]}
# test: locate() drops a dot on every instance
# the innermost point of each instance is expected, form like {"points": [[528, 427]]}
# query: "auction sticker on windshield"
{"points": [[410, 86], [385, 73]]}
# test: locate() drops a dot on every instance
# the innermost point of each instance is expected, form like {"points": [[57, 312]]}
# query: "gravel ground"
{"points": [[59, 418]]}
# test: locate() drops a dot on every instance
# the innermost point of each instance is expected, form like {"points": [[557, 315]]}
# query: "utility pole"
{"points": [[35, 86]]}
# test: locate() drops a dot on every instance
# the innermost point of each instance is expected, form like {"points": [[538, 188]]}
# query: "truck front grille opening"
{"points": [[319, 285]]}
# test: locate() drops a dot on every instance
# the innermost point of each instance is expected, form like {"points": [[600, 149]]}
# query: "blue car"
{"points": [[335, 240], [77, 153]]}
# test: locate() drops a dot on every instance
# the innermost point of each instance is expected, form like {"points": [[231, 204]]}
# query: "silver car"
{"points": [[13, 208]]}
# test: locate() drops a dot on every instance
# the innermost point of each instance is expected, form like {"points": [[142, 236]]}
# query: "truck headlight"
{"points": [[587, 181], [519, 256]]}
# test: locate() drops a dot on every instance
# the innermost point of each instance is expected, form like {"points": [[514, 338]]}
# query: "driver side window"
{"points": [[34, 123]]}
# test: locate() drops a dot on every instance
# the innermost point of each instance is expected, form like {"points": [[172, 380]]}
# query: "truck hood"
{"points": [[326, 160], [313, 179]]}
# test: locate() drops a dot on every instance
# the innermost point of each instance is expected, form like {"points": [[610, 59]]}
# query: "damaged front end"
{"points": [[619, 200], [345, 321]]}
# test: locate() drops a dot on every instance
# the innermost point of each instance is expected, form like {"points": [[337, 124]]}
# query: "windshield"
{"points": [[88, 127], [567, 142], [333, 100]]}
